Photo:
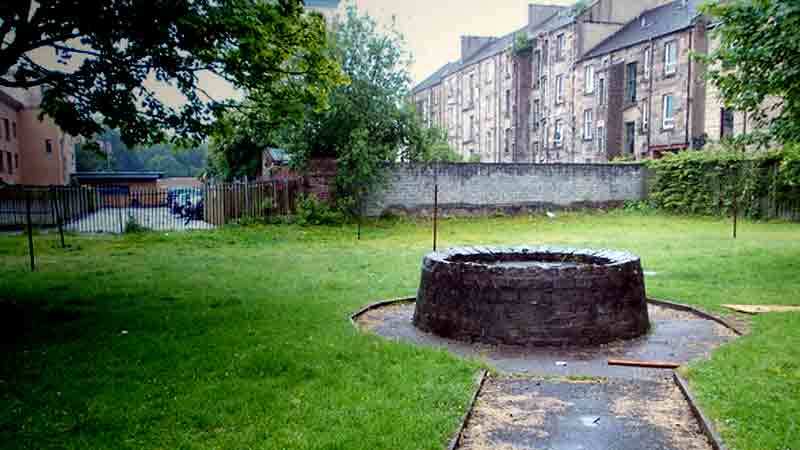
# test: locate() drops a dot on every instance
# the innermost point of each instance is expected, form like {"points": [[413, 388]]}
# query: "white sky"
{"points": [[433, 28]]}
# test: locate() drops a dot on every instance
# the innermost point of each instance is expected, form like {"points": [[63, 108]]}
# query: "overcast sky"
{"points": [[433, 28]]}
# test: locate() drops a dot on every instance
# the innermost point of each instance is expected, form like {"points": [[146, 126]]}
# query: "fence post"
{"points": [[119, 216], [54, 204], [30, 228]]}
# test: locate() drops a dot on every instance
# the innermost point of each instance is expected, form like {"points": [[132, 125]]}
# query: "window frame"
{"points": [[559, 89], [648, 58], [601, 131], [601, 91], [588, 124], [588, 79], [667, 123], [561, 39], [558, 133], [670, 68], [48, 146], [645, 115], [631, 82]]}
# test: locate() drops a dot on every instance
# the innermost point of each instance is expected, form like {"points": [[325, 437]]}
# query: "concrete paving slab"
{"points": [[675, 336], [528, 413]]}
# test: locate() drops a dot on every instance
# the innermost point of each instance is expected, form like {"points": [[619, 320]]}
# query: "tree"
{"points": [[755, 66], [109, 54], [365, 126]]}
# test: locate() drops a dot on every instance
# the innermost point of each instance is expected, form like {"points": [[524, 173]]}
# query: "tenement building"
{"points": [[590, 83]]}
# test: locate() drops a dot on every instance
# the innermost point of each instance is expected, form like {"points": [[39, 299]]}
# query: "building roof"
{"points": [[328, 4], [10, 101], [278, 155], [660, 21], [493, 47], [117, 176]]}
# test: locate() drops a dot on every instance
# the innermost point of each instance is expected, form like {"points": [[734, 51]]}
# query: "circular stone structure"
{"points": [[532, 296]]}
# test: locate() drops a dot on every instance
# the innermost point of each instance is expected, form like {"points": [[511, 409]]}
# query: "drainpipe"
{"points": [[650, 98], [689, 86]]}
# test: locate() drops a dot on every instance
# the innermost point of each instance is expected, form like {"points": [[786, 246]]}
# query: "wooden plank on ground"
{"points": [[649, 364], [761, 309]]}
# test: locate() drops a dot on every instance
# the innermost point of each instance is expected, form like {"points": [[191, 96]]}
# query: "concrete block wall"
{"points": [[484, 188]]}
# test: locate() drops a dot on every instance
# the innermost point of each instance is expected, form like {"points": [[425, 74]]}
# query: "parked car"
{"points": [[174, 202], [193, 208]]}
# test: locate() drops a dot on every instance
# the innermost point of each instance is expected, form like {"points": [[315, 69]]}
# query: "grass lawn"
{"points": [[239, 338]]}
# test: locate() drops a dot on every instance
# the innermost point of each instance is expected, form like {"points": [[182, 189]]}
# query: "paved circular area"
{"points": [[675, 336]]}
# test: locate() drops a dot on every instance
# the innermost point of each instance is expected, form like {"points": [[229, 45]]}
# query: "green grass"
{"points": [[239, 338]]}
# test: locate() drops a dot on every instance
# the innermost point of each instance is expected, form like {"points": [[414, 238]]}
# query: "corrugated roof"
{"points": [[659, 21]]}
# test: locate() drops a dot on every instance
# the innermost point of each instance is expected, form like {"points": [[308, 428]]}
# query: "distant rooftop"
{"points": [[651, 24], [117, 176], [326, 4]]}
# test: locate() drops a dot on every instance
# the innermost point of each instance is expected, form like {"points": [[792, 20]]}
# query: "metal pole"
{"points": [[30, 229], [435, 212], [59, 219]]}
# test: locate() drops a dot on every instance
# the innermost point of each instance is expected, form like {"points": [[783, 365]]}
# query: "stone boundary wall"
{"points": [[473, 189]]}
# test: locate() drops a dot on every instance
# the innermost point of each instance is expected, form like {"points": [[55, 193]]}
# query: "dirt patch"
{"points": [[498, 410], [664, 407]]}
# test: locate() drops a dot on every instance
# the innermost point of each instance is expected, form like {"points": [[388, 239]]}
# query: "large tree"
{"points": [[102, 62], [757, 63]]}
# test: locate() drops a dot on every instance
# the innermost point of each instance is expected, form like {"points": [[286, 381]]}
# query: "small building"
{"points": [[275, 164], [124, 189]]}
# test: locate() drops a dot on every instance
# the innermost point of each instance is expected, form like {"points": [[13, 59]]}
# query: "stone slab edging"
{"points": [[376, 305], [695, 311], [660, 302], [456, 440], [705, 424]]}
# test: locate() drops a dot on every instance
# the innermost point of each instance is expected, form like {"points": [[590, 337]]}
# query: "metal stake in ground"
{"points": [[435, 212], [56, 202], [30, 228]]}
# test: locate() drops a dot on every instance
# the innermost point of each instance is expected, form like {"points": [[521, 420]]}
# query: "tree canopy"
{"points": [[757, 63], [101, 61]]}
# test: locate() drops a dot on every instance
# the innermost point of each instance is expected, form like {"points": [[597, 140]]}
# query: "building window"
{"points": [[507, 146], [48, 146], [588, 124], [10, 167], [630, 138], [645, 115], [2, 162], [489, 142], [647, 54], [670, 57], [7, 129], [508, 102], [560, 39], [601, 139], [726, 123], [537, 68], [588, 74], [16, 160], [558, 137], [14, 129], [559, 88], [535, 114], [601, 91], [668, 112], [630, 88]]}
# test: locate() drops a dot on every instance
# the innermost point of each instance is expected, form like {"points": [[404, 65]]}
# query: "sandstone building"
{"points": [[588, 83], [32, 152]]}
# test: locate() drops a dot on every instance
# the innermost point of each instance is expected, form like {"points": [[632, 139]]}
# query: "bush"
{"points": [[711, 182], [311, 211], [133, 226]]}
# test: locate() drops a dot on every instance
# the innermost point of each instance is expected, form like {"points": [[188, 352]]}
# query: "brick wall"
{"points": [[512, 188]]}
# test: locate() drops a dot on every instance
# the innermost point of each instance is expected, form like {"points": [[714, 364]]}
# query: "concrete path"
{"points": [[108, 220]]}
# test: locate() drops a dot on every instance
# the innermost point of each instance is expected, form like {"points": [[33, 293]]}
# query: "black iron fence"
{"points": [[117, 209]]}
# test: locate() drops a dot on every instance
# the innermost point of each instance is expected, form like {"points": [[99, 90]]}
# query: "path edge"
{"points": [[695, 311], [456, 440], [705, 424], [354, 317]]}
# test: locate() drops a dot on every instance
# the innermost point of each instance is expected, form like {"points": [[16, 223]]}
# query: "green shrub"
{"points": [[133, 226], [712, 182], [312, 211]]}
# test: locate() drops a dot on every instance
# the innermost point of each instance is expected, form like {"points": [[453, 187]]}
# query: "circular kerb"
{"points": [[532, 295]]}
